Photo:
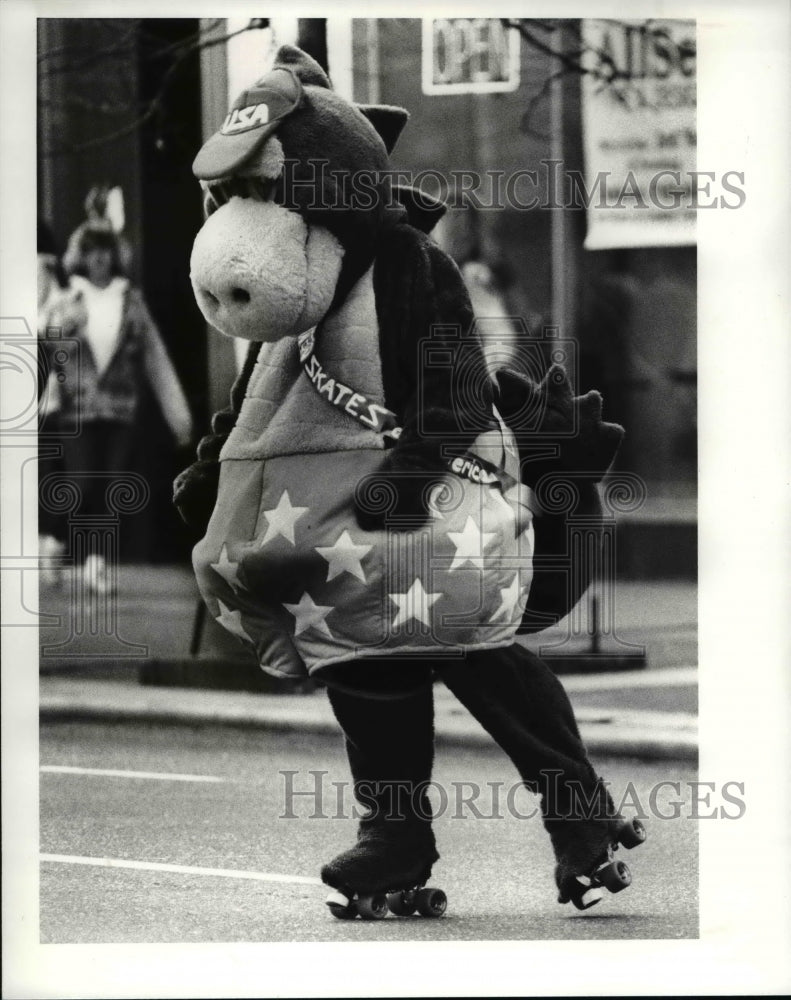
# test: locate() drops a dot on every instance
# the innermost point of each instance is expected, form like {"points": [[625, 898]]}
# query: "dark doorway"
{"points": [[169, 76]]}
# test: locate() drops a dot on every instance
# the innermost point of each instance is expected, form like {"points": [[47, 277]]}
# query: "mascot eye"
{"points": [[221, 192], [209, 203], [214, 197]]}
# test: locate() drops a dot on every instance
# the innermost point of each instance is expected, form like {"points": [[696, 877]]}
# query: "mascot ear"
{"points": [[304, 66], [388, 122], [423, 211]]}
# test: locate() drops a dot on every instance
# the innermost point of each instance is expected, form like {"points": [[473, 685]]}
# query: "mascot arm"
{"points": [[195, 489], [434, 372], [561, 437]]}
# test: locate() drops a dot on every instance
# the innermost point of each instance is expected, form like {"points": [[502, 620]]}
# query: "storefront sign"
{"points": [[639, 123], [469, 55]]}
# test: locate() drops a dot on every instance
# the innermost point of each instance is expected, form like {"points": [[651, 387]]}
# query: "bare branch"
{"points": [[569, 60], [580, 60], [526, 123], [184, 49], [78, 103], [90, 56]]}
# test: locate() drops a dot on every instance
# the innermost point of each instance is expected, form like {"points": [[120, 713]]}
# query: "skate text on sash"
{"points": [[356, 404], [378, 418]]}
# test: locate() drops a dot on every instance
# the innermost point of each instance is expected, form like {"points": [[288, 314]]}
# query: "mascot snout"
{"points": [[260, 273]]}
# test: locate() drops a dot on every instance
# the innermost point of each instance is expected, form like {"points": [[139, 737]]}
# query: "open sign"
{"points": [[469, 55]]}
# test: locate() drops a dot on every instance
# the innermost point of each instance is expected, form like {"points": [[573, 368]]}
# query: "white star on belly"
{"points": [[415, 603], [227, 569], [509, 598], [345, 556], [281, 519], [470, 544], [307, 614], [232, 621]]}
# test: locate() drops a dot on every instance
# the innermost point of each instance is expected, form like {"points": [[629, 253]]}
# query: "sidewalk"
{"points": [[92, 673], [606, 731]]}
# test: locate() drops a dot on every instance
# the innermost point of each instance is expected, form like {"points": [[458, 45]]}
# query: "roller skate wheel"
{"points": [[431, 902], [588, 898], [341, 907], [616, 876], [372, 907], [632, 834], [402, 904]]}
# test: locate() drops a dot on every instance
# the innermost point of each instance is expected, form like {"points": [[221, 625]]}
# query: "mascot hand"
{"points": [[399, 493], [566, 433], [195, 493]]}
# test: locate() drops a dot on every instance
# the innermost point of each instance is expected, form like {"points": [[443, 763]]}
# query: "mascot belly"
{"points": [[284, 564], [354, 518]]}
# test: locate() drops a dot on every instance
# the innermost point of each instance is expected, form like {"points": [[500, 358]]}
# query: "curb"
{"points": [[234, 673], [645, 735]]}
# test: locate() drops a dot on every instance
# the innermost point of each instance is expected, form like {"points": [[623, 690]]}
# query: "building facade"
{"points": [[499, 132]]}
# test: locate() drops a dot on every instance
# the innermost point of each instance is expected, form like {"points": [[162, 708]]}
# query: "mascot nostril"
{"points": [[370, 514], [260, 272]]}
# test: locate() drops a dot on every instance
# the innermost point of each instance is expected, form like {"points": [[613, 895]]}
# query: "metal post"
{"points": [[372, 37], [558, 216]]}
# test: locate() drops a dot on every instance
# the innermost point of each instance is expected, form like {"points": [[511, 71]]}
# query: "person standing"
{"points": [[120, 349]]}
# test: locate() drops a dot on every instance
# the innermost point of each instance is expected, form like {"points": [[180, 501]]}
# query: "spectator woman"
{"points": [[119, 349]]}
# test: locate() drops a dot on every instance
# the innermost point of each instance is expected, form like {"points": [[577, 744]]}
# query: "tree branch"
{"points": [[184, 50], [583, 60]]}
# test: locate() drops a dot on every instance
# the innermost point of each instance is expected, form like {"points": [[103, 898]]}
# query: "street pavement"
{"points": [[177, 834], [162, 804]]}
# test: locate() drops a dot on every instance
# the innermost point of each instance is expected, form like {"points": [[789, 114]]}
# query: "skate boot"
{"points": [[385, 871], [585, 852]]}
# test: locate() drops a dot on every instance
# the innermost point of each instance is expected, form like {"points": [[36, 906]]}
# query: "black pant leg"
{"points": [[116, 447], [390, 744], [100, 452], [387, 740], [524, 707]]}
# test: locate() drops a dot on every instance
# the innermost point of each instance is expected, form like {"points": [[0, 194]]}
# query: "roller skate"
{"points": [[385, 872], [582, 881], [585, 843]]}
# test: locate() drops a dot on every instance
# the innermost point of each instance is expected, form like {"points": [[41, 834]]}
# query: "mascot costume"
{"points": [[367, 502]]}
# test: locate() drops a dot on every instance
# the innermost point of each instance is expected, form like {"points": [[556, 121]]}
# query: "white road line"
{"points": [[99, 772], [664, 677], [153, 866]]}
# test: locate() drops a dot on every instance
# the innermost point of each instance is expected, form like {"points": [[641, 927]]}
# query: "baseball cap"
{"points": [[255, 115]]}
